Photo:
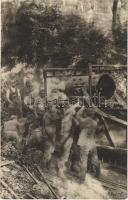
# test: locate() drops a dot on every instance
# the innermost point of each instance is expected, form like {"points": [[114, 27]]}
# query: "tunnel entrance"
{"points": [[106, 86], [103, 84]]}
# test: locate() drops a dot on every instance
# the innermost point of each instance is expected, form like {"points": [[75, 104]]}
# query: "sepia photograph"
{"points": [[63, 85]]}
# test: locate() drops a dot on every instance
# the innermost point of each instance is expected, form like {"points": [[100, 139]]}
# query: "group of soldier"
{"points": [[65, 135]]}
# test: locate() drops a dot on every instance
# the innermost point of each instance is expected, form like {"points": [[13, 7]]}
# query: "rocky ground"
{"points": [[16, 177]]}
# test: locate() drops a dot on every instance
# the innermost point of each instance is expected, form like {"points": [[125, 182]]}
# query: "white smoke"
{"points": [[91, 189]]}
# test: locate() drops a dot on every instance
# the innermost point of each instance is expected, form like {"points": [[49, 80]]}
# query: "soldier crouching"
{"points": [[12, 131]]}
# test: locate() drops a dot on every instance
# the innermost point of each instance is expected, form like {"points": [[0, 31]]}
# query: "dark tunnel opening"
{"points": [[106, 86]]}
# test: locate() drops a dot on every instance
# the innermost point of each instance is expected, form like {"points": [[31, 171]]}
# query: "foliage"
{"points": [[120, 43], [42, 35]]}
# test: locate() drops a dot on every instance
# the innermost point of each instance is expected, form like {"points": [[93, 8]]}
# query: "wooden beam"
{"points": [[107, 132], [30, 196], [119, 99], [9, 189], [4, 163], [48, 185], [101, 113], [31, 175], [102, 116], [45, 83], [63, 69], [111, 117], [90, 83]]}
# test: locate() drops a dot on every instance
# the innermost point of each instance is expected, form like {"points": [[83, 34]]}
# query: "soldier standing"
{"points": [[39, 106], [88, 124], [51, 119], [66, 141]]}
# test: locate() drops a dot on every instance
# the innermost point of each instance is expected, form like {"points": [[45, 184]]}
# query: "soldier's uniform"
{"points": [[51, 119], [14, 100], [66, 141], [39, 106], [86, 141]]}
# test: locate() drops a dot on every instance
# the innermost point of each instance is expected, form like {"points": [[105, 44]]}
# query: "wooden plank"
{"points": [[30, 174], [107, 132], [9, 189], [45, 181], [30, 196], [101, 113], [45, 83], [63, 69], [113, 118], [105, 67], [120, 99], [112, 148], [4, 163], [90, 82]]}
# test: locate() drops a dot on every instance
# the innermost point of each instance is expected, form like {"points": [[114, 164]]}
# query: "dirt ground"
{"points": [[21, 183]]}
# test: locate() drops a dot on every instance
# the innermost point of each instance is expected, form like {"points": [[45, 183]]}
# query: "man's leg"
{"points": [[48, 151], [61, 161], [93, 162], [83, 163]]}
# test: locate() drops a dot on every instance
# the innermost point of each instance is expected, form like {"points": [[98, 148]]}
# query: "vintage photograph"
{"points": [[63, 99]]}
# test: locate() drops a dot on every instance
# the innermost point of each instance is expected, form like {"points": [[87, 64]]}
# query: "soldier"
{"points": [[39, 105], [88, 124], [30, 119], [28, 100], [14, 99], [51, 119], [35, 135], [12, 131], [66, 141]]}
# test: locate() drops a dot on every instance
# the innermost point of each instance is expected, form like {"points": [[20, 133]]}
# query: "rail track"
{"points": [[106, 182], [109, 183], [36, 180]]}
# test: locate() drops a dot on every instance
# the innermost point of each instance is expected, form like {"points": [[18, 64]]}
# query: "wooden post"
{"points": [[45, 82], [114, 11], [90, 84], [45, 87]]}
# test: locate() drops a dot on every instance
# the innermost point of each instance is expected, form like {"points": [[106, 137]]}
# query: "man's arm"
{"points": [[8, 96], [18, 127], [80, 112], [19, 95], [35, 107]]}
